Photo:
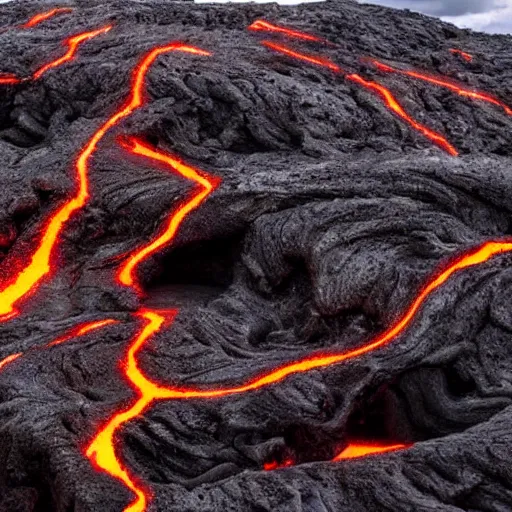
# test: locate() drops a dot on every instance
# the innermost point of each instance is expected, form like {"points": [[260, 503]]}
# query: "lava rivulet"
{"points": [[466, 56], [385, 94], [39, 18], [102, 448], [75, 332], [265, 26], [9, 79], [207, 183], [40, 265], [354, 451], [72, 43], [442, 82]]}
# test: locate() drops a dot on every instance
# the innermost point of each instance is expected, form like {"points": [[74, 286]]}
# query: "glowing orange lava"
{"points": [[447, 84], [72, 43], [466, 56], [354, 451], [270, 466], [75, 332], [265, 26], [38, 18], [390, 101], [9, 79], [27, 281], [102, 448], [207, 184]]}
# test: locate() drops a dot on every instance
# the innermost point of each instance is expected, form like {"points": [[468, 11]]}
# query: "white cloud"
{"points": [[497, 20]]}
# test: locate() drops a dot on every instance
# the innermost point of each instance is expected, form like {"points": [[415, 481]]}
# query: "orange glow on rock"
{"points": [[27, 281], [386, 95], [270, 466], [38, 18], [354, 451], [393, 105], [466, 56], [265, 26], [319, 61], [447, 84], [9, 79], [207, 184], [72, 43], [75, 332]]}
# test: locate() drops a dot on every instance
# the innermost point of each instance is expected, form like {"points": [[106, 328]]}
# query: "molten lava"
{"points": [[102, 448], [390, 101], [39, 18], [9, 79], [466, 56], [270, 466], [207, 185], [75, 332], [40, 265], [72, 43], [354, 451], [265, 26], [447, 84]]}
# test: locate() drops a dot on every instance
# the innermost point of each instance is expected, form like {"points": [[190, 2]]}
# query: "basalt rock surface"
{"points": [[331, 214]]}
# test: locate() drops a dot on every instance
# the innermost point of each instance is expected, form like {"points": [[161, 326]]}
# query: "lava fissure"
{"points": [[75, 332], [126, 274], [385, 94], [102, 448], [27, 281], [466, 56], [265, 26], [357, 450], [39, 18], [442, 82]]}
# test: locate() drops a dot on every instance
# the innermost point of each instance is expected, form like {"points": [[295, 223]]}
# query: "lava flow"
{"points": [[265, 26], [385, 94], [28, 279], [207, 183], [354, 451], [9, 79], [75, 332], [466, 56], [102, 449], [72, 43], [441, 82], [39, 18]]}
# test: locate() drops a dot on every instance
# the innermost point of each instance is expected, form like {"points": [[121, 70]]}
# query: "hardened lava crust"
{"points": [[253, 258]]}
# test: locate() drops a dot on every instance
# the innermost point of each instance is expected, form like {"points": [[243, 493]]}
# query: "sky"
{"points": [[494, 16]]}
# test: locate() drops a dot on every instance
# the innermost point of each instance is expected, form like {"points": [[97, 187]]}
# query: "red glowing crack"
{"points": [[75, 332], [207, 184], [102, 449], [25, 282], [385, 94], [265, 26], [354, 450], [466, 56], [442, 82], [39, 18], [9, 79], [272, 465]]}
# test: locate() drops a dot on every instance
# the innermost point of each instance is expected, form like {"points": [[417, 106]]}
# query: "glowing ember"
{"points": [[102, 448], [386, 95], [207, 184], [354, 451], [270, 466], [27, 281], [447, 84], [77, 331], [265, 26], [9, 79], [466, 56], [72, 43], [38, 18]]}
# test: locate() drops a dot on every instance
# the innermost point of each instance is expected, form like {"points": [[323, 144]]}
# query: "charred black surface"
{"points": [[330, 216]]}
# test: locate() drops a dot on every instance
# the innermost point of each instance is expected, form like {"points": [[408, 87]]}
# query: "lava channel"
{"points": [[102, 449], [39, 18], [9, 79], [207, 184], [75, 332], [29, 278], [355, 451], [466, 56], [265, 26], [385, 94], [442, 82]]}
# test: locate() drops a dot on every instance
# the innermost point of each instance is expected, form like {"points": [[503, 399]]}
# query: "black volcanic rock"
{"points": [[331, 215]]}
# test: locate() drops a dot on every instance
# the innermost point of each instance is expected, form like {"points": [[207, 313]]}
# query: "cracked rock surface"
{"points": [[331, 215]]}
